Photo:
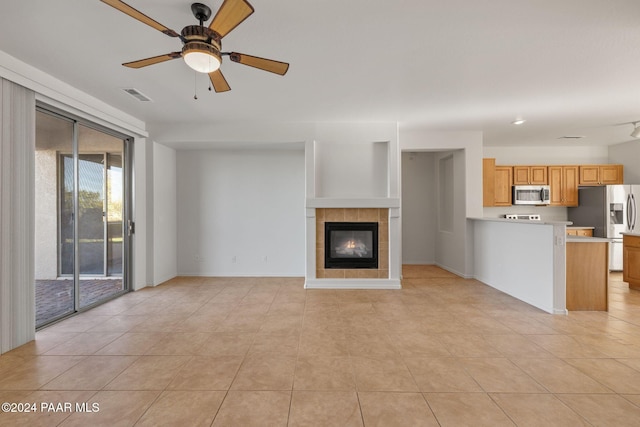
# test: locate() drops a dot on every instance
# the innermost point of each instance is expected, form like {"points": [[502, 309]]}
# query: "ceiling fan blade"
{"points": [[230, 15], [136, 14], [153, 60], [219, 82], [270, 65]]}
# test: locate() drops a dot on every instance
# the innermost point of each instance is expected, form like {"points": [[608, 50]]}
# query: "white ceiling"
{"points": [[569, 67]]}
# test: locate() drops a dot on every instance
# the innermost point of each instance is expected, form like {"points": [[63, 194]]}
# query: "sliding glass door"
{"points": [[89, 168]]}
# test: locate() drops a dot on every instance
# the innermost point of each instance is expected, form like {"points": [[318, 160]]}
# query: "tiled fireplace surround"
{"points": [[379, 215]]}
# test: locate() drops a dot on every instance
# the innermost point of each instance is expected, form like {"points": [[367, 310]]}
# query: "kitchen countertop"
{"points": [[523, 221], [587, 239], [631, 234], [573, 227]]}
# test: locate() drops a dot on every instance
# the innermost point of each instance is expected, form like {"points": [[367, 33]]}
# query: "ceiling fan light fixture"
{"points": [[201, 57], [636, 130]]}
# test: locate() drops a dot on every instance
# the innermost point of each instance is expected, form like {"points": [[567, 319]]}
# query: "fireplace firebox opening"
{"points": [[351, 245]]}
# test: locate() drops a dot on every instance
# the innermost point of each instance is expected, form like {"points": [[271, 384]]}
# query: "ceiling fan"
{"points": [[202, 45]]}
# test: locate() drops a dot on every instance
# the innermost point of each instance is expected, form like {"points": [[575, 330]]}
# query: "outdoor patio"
{"points": [[55, 297]]}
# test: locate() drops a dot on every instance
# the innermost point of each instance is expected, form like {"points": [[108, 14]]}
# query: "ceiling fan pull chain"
{"points": [[195, 85]]}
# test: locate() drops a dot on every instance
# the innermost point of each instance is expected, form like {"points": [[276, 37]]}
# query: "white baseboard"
{"points": [[352, 284]]}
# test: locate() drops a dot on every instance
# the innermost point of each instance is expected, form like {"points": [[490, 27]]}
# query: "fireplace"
{"points": [[351, 245]]}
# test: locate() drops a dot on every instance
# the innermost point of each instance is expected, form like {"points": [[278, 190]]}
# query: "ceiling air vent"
{"points": [[571, 137], [137, 94]]}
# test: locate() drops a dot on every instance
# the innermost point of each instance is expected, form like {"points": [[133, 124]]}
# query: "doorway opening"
{"points": [[82, 203]]}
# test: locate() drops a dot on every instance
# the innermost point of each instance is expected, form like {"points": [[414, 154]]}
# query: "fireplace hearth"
{"points": [[351, 245]]}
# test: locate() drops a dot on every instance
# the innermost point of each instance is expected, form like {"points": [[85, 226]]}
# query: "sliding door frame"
{"points": [[127, 209]]}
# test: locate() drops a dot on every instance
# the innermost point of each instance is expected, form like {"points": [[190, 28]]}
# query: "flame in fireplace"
{"points": [[353, 248]]}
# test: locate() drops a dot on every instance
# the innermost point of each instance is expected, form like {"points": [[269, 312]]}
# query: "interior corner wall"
{"points": [[241, 212], [164, 214], [455, 251], [419, 222], [451, 235]]}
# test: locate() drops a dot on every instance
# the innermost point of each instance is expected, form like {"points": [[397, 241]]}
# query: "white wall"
{"points": [[241, 212], [348, 170], [451, 234], [164, 214], [419, 200], [526, 261], [627, 154], [547, 155], [456, 253]]}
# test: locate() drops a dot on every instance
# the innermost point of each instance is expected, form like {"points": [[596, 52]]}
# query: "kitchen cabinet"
{"points": [[601, 174], [631, 260], [496, 184], [530, 175], [585, 232], [563, 182], [587, 275], [488, 181], [503, 179]]}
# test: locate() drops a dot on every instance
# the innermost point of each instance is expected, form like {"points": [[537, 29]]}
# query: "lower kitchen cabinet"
{"points": [[631, 260], [585, 232], [587, 275]]}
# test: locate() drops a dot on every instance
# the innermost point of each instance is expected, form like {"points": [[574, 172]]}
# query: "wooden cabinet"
{"points": [[601, 174], [586, 232], [631, 260], [488, 182], [496, 184], [530, 175], [563, 182], [587, 276], [503, 179]]}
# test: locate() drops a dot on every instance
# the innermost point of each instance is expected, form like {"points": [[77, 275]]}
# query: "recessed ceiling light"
{"points": [[518, 122], [572, 137]]}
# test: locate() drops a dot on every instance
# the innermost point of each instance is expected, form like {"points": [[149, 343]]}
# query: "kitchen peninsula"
{"points": [[536, 262]]}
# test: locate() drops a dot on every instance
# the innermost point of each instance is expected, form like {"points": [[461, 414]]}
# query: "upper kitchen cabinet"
{"points": [[496, 183], [503, 179], [601, 174], [563, 183], [530, 175]]}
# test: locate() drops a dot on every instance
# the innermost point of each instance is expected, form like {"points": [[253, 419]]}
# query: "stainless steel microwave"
{"points": [[531, 195]]}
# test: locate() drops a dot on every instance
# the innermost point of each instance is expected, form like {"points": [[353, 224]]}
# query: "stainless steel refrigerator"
{"points": [[612, 210]]}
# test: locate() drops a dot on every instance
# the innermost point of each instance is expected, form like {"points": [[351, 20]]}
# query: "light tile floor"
{"points": [[265, 352]]}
